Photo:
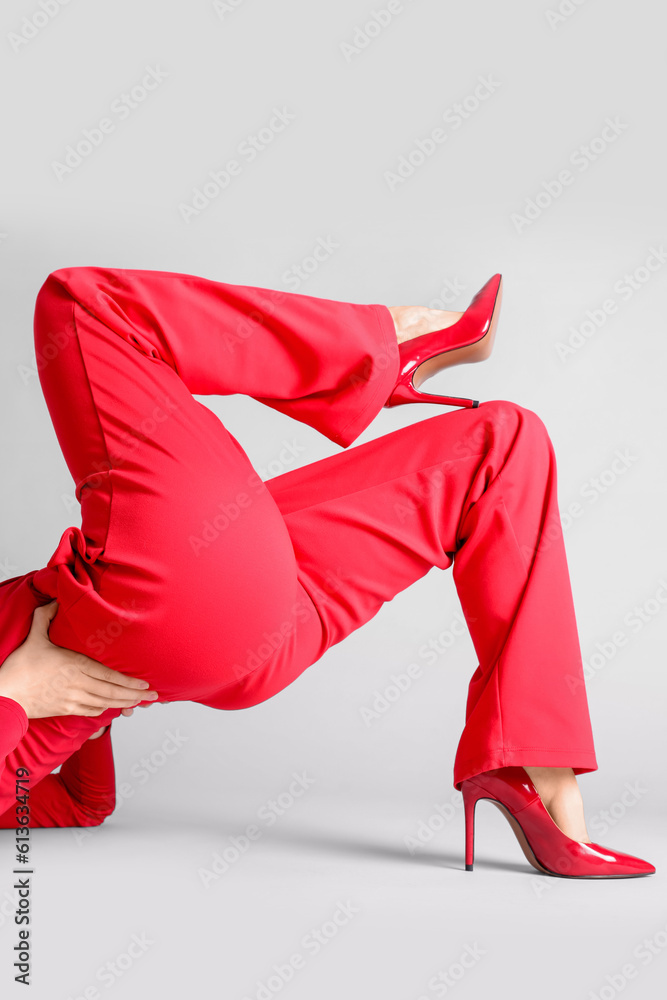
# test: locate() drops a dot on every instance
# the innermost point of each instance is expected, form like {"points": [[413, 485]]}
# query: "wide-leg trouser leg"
{"points": [[230, 614], [183, 559], [477, 488]]}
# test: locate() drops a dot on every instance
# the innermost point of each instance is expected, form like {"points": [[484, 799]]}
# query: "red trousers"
{"points": [[216, 587]]}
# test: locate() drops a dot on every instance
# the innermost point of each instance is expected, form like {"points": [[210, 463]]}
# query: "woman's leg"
{"points": [[182, 560], [175, 521], [476, 488], [228, 616]]}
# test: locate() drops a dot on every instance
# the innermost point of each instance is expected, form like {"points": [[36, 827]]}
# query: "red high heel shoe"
{"points": [[469, 339], [544, 844]]}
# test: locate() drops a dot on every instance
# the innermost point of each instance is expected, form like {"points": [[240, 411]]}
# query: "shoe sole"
{"points": [[479, 351]]}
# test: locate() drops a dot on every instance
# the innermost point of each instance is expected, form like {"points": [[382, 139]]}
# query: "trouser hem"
{"points": [[385, 377], [581, 761]]}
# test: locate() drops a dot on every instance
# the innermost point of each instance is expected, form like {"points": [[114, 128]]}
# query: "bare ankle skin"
{"points": [[413, 321], [559, 791]]}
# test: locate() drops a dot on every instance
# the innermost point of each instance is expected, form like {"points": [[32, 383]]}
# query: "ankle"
{"points": [[553, 782], [414, 321], [561, 796], [551, 779]]}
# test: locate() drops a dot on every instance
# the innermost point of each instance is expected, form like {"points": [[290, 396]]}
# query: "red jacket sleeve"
{"points": [[13, 726], [82, 794]]}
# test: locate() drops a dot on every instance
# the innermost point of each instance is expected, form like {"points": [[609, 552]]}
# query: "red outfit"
{"points": [[82, 794], [192, 573]]}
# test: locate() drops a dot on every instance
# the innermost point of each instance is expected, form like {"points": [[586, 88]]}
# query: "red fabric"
{"points": [[82, 794], [190, 572]]}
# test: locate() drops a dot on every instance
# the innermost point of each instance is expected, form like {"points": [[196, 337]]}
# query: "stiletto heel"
{"points": [[544, 844], [470, 797], [469, 339]]}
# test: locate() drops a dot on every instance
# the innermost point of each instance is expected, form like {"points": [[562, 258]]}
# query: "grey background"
{"points": [[451, 222]]}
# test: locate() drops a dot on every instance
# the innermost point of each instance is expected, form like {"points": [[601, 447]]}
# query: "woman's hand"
{"points": [[49, 680], [123, 711]]}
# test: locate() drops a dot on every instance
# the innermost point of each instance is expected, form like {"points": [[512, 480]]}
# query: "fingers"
{"points": [[87, 708], [98, 709], [80, 708], [114, 694], [101, 697], [100, 671], [41, 617], [129, 711]]}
